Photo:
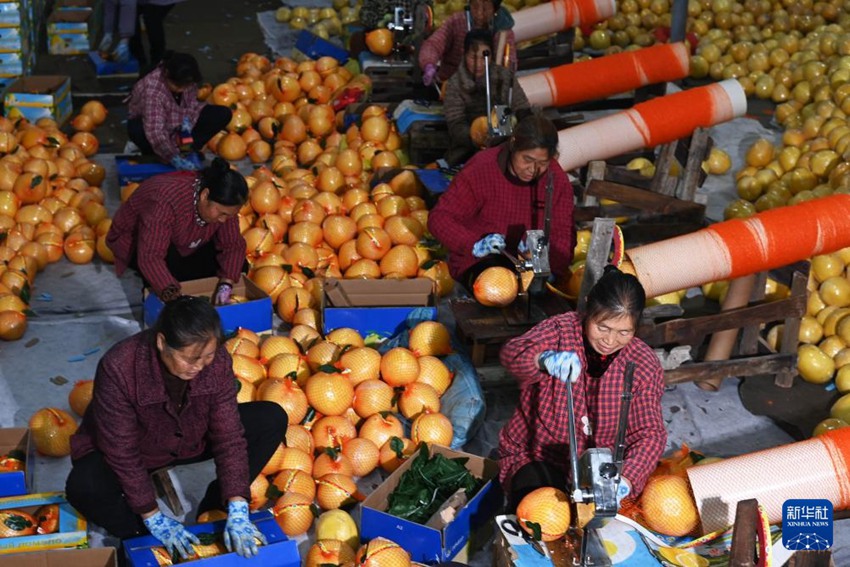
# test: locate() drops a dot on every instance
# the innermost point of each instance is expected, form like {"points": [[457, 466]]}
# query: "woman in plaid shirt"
{"points": [[591, 350]]}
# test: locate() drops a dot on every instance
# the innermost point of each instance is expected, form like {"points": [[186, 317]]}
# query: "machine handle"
{"points": [[620, 446]]}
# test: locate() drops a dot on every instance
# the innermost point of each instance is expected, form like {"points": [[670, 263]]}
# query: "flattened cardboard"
{"points": [[16, 482], [95, 557], [428, 545]]}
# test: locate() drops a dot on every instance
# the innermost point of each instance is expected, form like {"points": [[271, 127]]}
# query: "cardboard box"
{"points": [[72, 31], [315, 47], [428, 545], [40, 96], [255, 314], [13, 14], [104, 68], [15, 483], [137, 168], [375, 307], [280, 551], [13, 64], [14, 40], [72, 526], [97, 557]]}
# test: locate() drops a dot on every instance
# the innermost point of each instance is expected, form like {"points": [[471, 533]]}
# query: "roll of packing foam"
{"points": [[557, 15]]}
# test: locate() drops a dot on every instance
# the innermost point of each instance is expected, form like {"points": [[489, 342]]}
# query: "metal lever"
{"points": [[577, 493], [620, 445]]}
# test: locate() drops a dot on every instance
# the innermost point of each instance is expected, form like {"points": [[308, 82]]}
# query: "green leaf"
{"points": [[536, 531], [238, 385], [17, 522], [287, 268], [311, 413], [25, 294], [273, 492], [315, 509], [397, 446], [17, 454], [332, 452], [308, 272], [328, 369], [293, 375], [37, 179], [207, 538], [30, 313], [428, 264], [52, 142]]}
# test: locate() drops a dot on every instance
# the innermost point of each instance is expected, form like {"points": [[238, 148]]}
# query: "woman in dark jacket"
{"points": [[166, 397], [466, 95]]}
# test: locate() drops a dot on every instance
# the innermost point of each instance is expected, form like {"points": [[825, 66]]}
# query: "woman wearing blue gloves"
{"points": [[167, 397], [591, 350]]}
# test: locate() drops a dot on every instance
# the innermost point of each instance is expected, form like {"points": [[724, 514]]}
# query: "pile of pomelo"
{"points": [[51, 205]]}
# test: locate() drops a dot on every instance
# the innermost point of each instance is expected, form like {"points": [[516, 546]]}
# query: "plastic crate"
{"points": [[314, 47], [137, 168]]}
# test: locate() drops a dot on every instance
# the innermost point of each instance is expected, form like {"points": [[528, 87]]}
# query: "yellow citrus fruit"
{"points": [[495, 287], [813, 365], [381, 552], [338, 525], [828, 424], [547, 508], [433, 428], [668, 506], [430, 338], [293, 512]]}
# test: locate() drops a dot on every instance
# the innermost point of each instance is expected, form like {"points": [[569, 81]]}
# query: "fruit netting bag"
{"points": [[463, 402]]}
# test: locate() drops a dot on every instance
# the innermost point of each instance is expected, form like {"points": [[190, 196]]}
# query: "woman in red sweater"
{"points": [[183, 226], [498, 195], [165, 397]]}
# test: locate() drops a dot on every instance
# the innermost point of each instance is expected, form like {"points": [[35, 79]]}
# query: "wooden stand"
{"points": [[165, 490], [556, 50], [427, 141]]}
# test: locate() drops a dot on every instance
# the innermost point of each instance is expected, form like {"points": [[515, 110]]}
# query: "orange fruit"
{"points": [[329, 394], [430, 338], [668, 506], [258, 492], [80, 396], [51, 431], [13, 325], [381, 552], [293, 513], [416, 398], [431, 428], [285, 364], [296, 459], [211, 516], [298, 437], [399, 367], [379, 428], [371, 397], [433, 372], [336, 491], [285, 393], [329, 552], [393, 456], [332, 462], [400, 259], [548, 508], [332, 431], [239, 345], [360, 364], [273, 464], [291, 300], [244, 391], [495, 287], [293, 480], [271, 279], [345, 336], [248, 368], [362, 454], [274, 345], [321, 354]]}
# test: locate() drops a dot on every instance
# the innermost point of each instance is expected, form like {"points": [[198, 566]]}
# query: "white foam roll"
{"points": [[681, 262], [730, 100], [557, 15], [538, 89], [602, 138], [772, 476]]}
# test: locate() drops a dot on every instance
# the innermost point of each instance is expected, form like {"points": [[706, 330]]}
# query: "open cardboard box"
{"points": [[375, 307], [71, 532], [429, 545], [72, 31], [254, 314], [14, 483], [96, 557], [40, 96]]}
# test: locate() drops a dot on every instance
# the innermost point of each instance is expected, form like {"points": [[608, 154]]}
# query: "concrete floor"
{"points": [[89, 308]]}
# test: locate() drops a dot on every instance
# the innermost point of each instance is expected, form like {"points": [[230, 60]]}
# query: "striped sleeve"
{"points": [[155, 120], [231, 250], [519, 355], [155, 232]]}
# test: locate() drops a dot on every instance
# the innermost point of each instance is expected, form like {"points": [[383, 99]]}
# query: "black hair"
{"points": [[181, 69], [226, 186], [535, 131], [496, 4], [188, 321], [475, 37], [614, 295]]}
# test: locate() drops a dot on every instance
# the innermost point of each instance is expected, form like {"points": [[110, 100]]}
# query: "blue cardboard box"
{"points": [[314, 47], [104, 68], [14, 40], [72, 526], [280, 551], [12, 14], [137, 168], [375, 307], [254, 314], [465, 533], [39, 96], [72, 31], [95, 557], [16, 441]]}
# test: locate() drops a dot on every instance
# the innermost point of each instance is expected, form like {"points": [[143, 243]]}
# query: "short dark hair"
{"points": [[614, 295], [478, 37], [181, 69], [188, 321], [535, 131], [226, 185]]}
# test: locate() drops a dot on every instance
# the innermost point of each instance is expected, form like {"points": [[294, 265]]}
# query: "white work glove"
{"points": [[490, 244], [429, 74], [173, 535], [179, 162], [563, 365], [122, 51], [239, 532], [624, 488]]}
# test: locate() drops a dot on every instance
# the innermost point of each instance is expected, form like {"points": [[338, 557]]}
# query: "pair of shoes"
{"points": [[121, 54], [105, 43]]}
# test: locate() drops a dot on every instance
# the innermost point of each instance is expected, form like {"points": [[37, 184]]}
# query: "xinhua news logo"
{"points": [[807, 525]]}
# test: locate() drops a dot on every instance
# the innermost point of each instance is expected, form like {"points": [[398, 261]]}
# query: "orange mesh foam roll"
{"points": [[605, 76], [558, 15], [815, 468], [651, 123], [737, 248]]}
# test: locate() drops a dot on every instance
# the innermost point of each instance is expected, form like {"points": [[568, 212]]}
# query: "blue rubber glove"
{"points": [[490, 244], [179, 162], [563, 365], [172, 534], [122, 51], [223, 291], [428, 74], [240, 535], [624, 488]]}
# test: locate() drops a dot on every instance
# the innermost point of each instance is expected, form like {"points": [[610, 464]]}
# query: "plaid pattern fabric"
{"points": [[482, 200], [538, 430], [160, 214], [161, 114], [444, 47]]}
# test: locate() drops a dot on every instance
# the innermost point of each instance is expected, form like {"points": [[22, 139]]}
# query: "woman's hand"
{"points": [[624, 488], [181, 163], [563, 365], [222, 293], [173, 535], [490, 244], [240, 534]]}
